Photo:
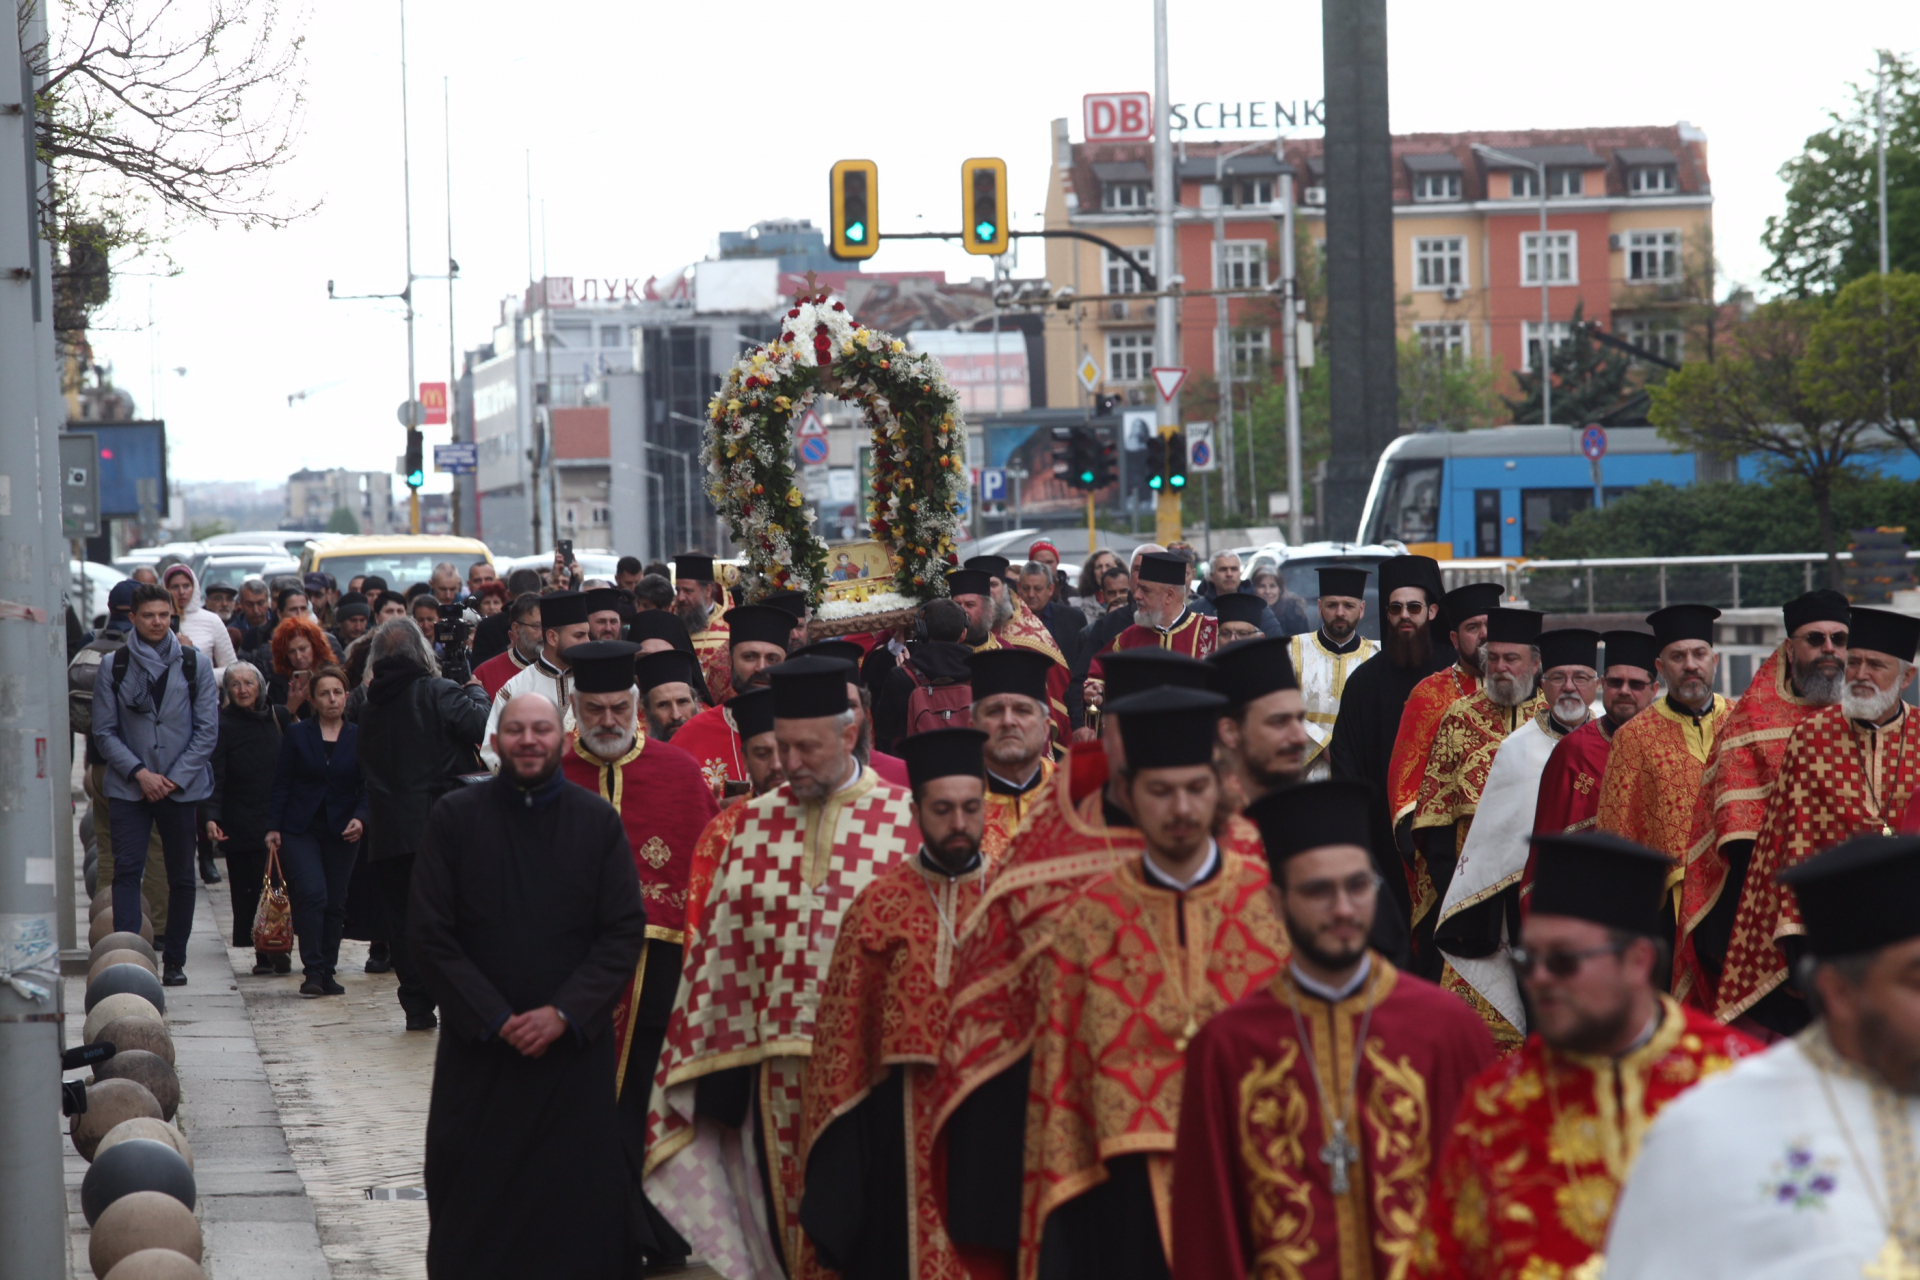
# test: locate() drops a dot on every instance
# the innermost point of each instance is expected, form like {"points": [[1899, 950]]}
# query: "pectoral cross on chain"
{"points": [[1339, 1153], [1894, 1263]]}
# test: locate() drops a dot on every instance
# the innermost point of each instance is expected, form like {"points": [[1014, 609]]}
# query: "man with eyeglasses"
{"points": [[1327, 658], [1464, 743], [1658, 761], [524, 638], [1312, 1110], [1569, 797], [1480, 916], [1807, 672], [1544, 1138], [1848, 770]]}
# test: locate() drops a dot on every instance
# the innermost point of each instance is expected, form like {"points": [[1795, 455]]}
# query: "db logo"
{"points": [[1119, 117]]}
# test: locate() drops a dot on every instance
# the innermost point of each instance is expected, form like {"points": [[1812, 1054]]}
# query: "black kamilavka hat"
{"points": [[944, 753], [605, 666], [1596, 876], [1253, 668], [1859, 896], [1168, 728]]}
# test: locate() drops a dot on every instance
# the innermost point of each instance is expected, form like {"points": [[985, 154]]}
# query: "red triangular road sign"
{"points": [[1169, 380]]}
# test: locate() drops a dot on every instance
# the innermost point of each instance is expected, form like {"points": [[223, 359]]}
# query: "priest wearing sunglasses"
{"points": [[1543, 1139]]}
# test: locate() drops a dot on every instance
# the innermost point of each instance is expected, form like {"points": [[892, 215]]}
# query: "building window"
{"points": [[1436, 186], [1653, 256], [1252, 351], [1129, 356], [1122, 278], [1557, 333], [1660, 336], [1240, 264], [1439, 262], [1651, 180], [1562, 257], [1443, 340], [1564, 182], [1524, 184], [1127, 195], [610, 335], [1251, 191], [603, 515]]}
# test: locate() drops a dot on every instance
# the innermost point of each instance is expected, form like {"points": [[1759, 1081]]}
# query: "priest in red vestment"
{"points": [[753, 712], [1162, 619], [1807, 672], [1657, 761], [1848, 770], [756, 640], [700, 602], [723, 1128], [1544, 1138], [1311, 1111], [1569, 796], [997, 619], [524, 638], [1133, 967], [1010, 705], [872, 1208], [663, 804]]}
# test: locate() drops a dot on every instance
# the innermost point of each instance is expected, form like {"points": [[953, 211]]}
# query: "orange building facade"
{"points": [[1630, 214]]}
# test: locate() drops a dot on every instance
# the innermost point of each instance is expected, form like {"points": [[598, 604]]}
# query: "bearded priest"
{"points": [[1657, 761], [1807, 672], [1480, 916], [1461, 756], [1569, 798], [1162, 618], [756, 641], [1324, 659], [1310, 1109], [726, 1100], [1848, 770], [866, 1114], [1010, 705], [663, 803], [1543, 1139], [1799, 1162], [997, 619]]}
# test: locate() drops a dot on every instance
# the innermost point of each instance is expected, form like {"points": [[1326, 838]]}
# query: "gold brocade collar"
{"points": [[822, 816], [611, 771], [1620, 1088], [1381, 980], [1696, 731]]}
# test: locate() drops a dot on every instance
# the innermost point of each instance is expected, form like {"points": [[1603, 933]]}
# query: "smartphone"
{"points": [[566, 550]]}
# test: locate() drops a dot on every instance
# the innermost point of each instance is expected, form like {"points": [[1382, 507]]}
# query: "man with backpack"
{"points": [[931, 688], [155, 718]]}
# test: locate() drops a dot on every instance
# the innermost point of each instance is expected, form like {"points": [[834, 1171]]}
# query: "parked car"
{"points": [[402, 559], [291, 541], [232, 570], [158, 557]]}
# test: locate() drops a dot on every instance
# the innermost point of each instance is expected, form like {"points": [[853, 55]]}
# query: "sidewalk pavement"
{"points": [[255, 1215]]}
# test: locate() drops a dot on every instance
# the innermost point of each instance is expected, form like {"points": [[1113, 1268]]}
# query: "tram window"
{"points": [[1541, 509], [1410, 504], [1486, 523]]}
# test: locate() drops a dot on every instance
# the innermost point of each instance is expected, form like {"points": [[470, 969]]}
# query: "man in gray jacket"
{"points": [[155, 719]]}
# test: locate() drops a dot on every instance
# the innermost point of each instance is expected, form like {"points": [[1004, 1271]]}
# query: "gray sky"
{"points": [[654, 126]]}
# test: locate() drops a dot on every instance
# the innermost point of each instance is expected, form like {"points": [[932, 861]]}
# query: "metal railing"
{"points": [[1642, 584]]}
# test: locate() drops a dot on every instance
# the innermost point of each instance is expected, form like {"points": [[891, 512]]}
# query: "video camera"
{"points": [[73, 1093], [451, 636]]}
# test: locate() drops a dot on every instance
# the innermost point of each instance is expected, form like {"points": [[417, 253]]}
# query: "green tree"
{"points": [[1588, 379], [1764, 398], [342, 521], [1440, 391], [1863, 356], [1830, 231]]}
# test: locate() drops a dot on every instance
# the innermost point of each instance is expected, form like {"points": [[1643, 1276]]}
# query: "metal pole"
{"points": [[1166, 313], [1290, 359], [1090, 542], [1546, 316], [453, 362], [33, 1215], [406, 182], [1222, 321], [1880, 146]]}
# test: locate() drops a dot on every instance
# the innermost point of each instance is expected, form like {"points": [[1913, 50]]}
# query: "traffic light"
{"points": [[983, 205], [1106, 462], [416, 458], [1077, 464], [1167, 462], [856, 210]]}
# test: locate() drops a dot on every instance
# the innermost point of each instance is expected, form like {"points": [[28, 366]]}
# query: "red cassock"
{"points": [[1569, 797], [1252, 1184], [707, 852], [494, 673], [1541, 1143], [713, 741]]}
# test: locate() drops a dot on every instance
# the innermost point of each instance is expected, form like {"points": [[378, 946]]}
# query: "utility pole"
{"points": [[1166, 311], [406, 181], [1880, 146], [32, 1195], [453, 269], [1290, 354]]}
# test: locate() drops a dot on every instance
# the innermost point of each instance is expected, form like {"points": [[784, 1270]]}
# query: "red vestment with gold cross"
{"points": [[1541, 1143], [713, 740], [1654, 774], [664, 804], [748, 994], [1123, 981], [1838, 779], [1569, 797], [1732, 803], [884, 1006], [1253, 1187], [1194, 634]]}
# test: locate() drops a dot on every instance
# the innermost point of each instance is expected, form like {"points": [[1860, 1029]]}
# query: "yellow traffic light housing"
{"points": [[983, 205], [856, 210]]}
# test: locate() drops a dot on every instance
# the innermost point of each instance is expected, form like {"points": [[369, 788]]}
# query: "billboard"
{"points": [[130, 452]]}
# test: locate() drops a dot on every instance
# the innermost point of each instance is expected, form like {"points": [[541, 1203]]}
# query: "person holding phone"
{"points": [[299, 649]]}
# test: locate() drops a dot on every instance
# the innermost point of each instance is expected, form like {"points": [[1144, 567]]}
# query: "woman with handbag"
{"points": [[317, 814], [235, 815]]}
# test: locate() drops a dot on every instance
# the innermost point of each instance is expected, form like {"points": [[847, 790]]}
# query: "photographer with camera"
{"points": [[453, 641], [563, 624], [418, 738]]}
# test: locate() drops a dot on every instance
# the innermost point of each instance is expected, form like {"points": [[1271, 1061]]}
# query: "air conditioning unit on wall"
{"points": [[1315, 195], [1451, 293]]}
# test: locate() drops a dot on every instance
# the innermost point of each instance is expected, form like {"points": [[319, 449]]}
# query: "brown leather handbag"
{"points": [[273, 918]]}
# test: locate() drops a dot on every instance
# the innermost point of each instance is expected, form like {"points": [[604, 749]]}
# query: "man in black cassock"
{"points": [[529, 925], [1411, 649]]}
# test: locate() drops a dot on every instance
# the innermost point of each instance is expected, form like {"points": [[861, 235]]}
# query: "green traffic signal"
{"points": [[1179, 482], [984, 230], [857, 232]]}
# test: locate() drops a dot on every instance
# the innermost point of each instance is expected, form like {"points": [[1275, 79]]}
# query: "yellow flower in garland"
{"points": [[793, 497], [733, 406], [783, 403]]}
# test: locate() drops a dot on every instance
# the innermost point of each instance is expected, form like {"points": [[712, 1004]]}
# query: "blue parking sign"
{"points": [[993, 484]]}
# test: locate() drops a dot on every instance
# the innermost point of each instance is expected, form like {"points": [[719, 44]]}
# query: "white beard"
{"points": [[1570, 711], [607, 746], [1870, 708], [1505, 691]]}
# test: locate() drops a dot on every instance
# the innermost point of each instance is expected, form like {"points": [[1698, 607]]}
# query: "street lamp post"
{"points": [[1546, 351], [1223, 326]]}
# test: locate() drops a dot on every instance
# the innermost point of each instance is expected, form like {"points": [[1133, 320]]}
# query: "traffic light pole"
{"points": [[1166, 315]]}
